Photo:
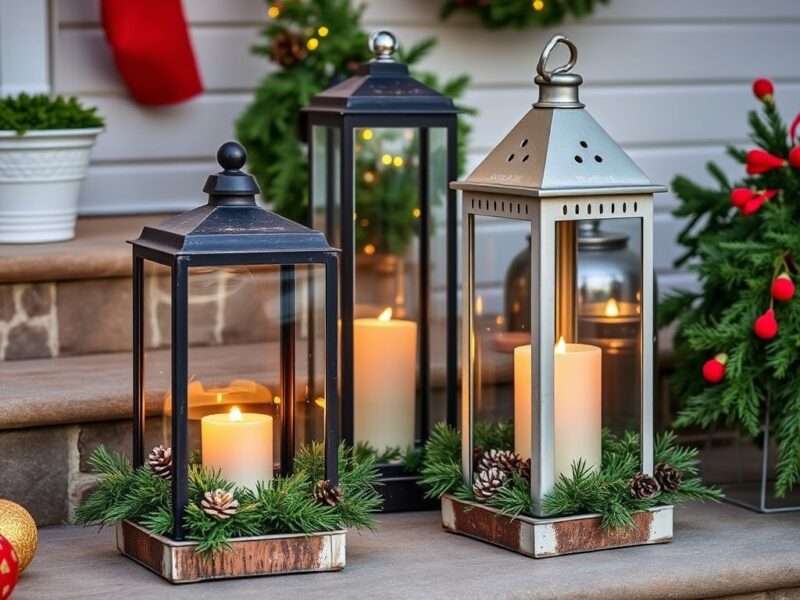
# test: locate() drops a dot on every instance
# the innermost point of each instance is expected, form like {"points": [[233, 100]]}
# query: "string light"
{"points": [[369, 249], [408, 134], [369, 177], [273, 11], [323, 31], [364, 222], [416, 212], [312, 44], [386, 159], [367, 134], [538, 5], [398, 161]]}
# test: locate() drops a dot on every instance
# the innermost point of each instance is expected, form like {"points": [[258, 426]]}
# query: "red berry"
{"points": [[766, 327], [763, 88], [741, 196], [783, 288], [794, 157], [752, 206], [759, 161], [714, 368]]}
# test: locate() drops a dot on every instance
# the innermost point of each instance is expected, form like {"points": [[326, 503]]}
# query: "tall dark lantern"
{"points": [[233, 257], [382, 150]]}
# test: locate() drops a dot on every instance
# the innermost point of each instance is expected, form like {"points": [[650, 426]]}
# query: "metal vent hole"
{"points": [[510, 157], [577, 209], [525, 158], [598, 158], [635, 206], [601, 209], [578, 159], [624, 207], [564, 209], [524, 143], [584, 144], [613, 206], [589, 209]]}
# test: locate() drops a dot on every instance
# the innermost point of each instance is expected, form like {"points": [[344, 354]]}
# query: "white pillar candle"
{"points": [[239, 445], [384, 364], [578, 404]]}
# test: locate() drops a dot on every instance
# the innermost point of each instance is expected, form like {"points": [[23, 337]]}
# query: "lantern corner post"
{"points": [[180, 357], [467, 328], [647, 341], [332, 415], [347, 277], [287, 366], [424, 343], [452, 275], [139, 411]]}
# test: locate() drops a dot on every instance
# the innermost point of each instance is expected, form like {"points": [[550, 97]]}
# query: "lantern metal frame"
{"points": [[382, 94], [231, 230], [537, 174]]}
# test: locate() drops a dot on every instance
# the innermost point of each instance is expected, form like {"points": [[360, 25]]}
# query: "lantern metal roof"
{"points": [[231, 221], [558, 149], [381, 86]]}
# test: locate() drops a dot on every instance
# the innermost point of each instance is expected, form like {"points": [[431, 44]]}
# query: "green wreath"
{"points": [[500, 14]]}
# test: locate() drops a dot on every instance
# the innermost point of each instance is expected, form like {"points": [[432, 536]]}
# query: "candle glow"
{"points": [[612, 308]]}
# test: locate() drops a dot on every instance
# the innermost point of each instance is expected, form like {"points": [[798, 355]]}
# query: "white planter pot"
{"points": [[41, 173]]}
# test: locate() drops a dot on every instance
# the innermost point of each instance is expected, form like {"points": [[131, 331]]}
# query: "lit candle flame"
{"points": [[479, 305], [235, 414], [561, 346], [612, 308], [386, 315], [219, 397]]}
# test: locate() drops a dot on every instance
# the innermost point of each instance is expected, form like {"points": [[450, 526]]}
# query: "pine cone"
{"points": [[219, 504], [668, 477], [643, 487], [505, 460], [327, 493], [524, 469], [288, 49], [488, 482], [159, 461]]}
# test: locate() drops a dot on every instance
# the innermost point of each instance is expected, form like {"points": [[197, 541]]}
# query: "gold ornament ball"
{"points": [[19, 528]]}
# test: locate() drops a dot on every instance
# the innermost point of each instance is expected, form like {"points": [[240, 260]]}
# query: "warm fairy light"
{"points": [[312, 44], [612, 308], [276, 400], [499, 319], [386, 315], [235, 414], [219, 397], [408, 134], [538, 5], [479, 305], [323, 31], [416, 212], [364, 222], [398, 161], [273, 11], [367, 134], [561, 346], [369, 177], [386, 159], [369, 249], [320, 402]]}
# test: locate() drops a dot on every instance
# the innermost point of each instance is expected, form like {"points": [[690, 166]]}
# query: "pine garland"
{"points": [[736, 257], [520, 14], [308, 63], [284, 505], [605, 492]]}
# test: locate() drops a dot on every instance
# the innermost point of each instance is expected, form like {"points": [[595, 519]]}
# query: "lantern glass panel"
{"points": [[157, 367], [325, 182], [609, 316], [388, 300], [493, 344]]}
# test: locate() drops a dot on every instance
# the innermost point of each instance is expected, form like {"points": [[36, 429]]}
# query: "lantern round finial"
{"points": [[231, 156], [383, 44], [558, 88]]}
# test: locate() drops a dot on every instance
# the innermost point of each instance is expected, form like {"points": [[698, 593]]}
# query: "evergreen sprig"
{"points": [[585, 490], [24, 113], [736, 258], [271, 128], [520, 14], [283, 505]]}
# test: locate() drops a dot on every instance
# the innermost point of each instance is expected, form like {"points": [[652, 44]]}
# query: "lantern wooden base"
{"points": [[263, 555], [541, 538]]}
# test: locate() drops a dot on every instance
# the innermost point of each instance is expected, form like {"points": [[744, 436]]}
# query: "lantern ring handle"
{"points": [[541, 68]]}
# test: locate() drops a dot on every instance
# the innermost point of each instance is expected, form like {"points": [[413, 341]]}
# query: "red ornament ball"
{"points": [[765, 326], [763, 88], [9, 568], [714, 368], [741, 196], [794, 157], [759, 161], [783, 288]]}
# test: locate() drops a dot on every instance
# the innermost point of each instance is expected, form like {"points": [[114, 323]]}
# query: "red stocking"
{"points": [[152, 49]]}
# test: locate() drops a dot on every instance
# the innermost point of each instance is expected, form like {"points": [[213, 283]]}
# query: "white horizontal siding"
{"points": [[669, 80]]}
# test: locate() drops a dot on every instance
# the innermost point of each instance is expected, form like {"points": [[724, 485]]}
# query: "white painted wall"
{"points": [[669, 80]]}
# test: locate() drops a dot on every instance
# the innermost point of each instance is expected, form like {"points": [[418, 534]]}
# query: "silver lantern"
{"points": [[556, 172]]}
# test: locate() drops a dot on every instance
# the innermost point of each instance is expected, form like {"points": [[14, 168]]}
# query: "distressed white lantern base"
{"points": [[541, 538], [178, 562]]}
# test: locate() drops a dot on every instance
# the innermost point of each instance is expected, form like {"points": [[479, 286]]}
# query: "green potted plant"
{"points": [[45, 145]]}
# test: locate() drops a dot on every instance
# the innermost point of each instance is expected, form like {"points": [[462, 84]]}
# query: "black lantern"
{"points": [[382, 150], [244, 371]]}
